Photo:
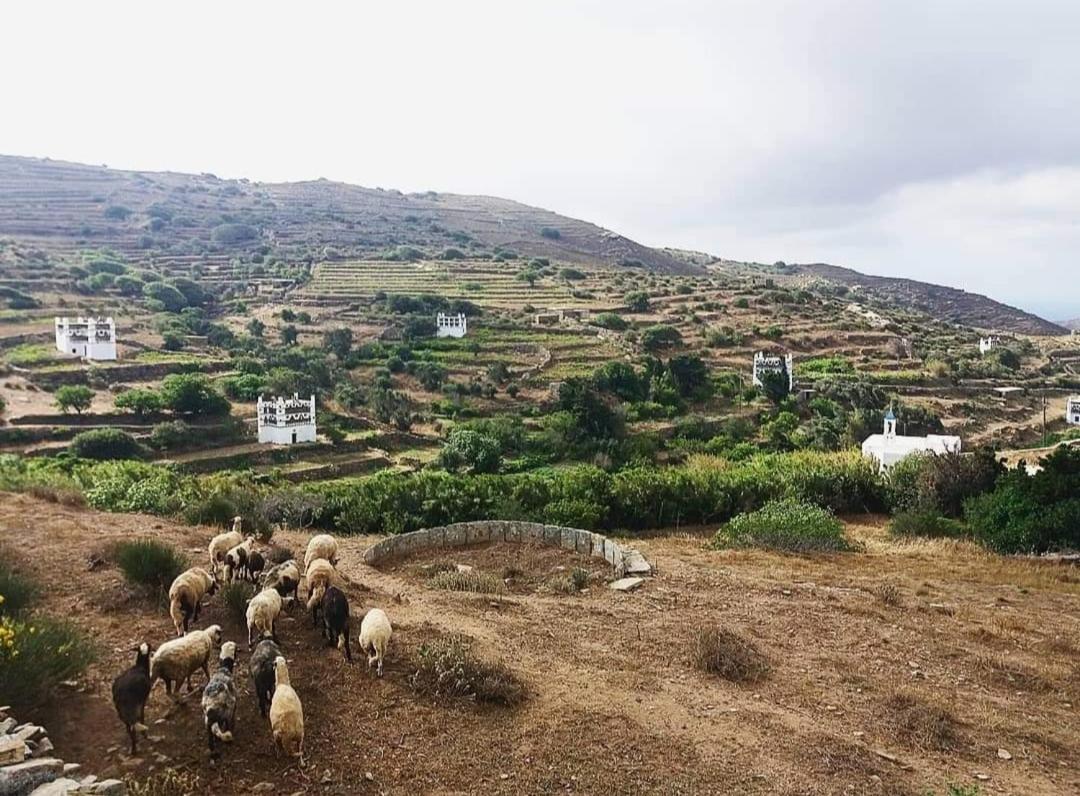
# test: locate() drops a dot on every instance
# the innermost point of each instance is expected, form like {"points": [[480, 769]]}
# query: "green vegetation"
{"points": [[148, 564], [106, 443], [74, 397], [788, 524]]}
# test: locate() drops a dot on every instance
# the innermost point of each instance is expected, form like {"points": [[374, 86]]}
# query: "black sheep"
{"points": [[261, 668], [130, 691], [255, 564], [335, 615]]}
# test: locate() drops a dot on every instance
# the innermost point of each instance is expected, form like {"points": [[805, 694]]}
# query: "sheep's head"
{"points": [[281, 671], [228, 652], [214, 633], [237, 523], [142, 655]]}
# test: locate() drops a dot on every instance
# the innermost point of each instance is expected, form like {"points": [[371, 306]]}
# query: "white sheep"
{"points": [[223, 543], [375, 633], [321, 546], [286, 714], [176, 660], [237, 557], [320, 575], [185, 596], [262, 613]]}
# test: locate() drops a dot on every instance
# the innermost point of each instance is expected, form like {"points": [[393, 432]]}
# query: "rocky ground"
{"points": [[894, 670]]}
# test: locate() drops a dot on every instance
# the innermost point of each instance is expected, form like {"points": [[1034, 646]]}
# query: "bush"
{"points": [[550, 233], [472, 450], [149, 564], [728, 654], [926, 523], [637, 301], [17, 591], [37, 653], [106, 443], [192, 393], [140, 401], [660, 336], [171, 299], [791, 525], [233, 233], [941, 483], [448, 669], [234, 597], [171, 435], [609, 320]]}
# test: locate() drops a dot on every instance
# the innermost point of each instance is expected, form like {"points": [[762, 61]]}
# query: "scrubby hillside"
{"points": [[62, 206]]}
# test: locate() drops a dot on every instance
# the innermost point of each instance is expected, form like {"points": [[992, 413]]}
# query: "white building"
{"points": [[986, 344], [451, 325], [1072, 410], [773, 363], [286, 421], [89, 338], [889, 448]]}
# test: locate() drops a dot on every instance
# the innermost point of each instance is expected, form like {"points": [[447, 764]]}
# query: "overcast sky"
{"points": [[935, 139]]}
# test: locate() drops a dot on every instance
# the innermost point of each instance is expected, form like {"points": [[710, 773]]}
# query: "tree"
{"points": [[256, 327], [140, 401], [660, 336], [691, 375], [339, 341], [465, 448], [637, 301], [74, 396], [431, 375], [289, 335], [529, 275], [190, 289], [594, 418], [288, 315], [620, 379], [171, 298], [192, 394], [776, 385]]}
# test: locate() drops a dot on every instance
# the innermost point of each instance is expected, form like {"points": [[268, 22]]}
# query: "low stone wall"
{"points": [[462, 534]]}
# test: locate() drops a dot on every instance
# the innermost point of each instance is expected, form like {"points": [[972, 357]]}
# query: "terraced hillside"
{"points": [[66, 206]]}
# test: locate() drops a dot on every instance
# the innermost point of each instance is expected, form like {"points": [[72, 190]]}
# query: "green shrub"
{"points": [[171, 435], [550, 232], [37, 653], [790, 525], [140, 401], [106, 443], [448, 669], [233, 233], [1031, 514], [472, 450], [234, 597], [17, 591], [609, 320], [149, 564], [926, 523], [660, 336], [192, 393], [941, 483]]}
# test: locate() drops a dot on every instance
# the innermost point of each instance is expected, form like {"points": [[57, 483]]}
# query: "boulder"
{"points": [[24, 777], [626, 584]]}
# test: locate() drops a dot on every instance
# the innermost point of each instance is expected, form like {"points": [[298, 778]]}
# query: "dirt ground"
{"points": [[895, 670]]}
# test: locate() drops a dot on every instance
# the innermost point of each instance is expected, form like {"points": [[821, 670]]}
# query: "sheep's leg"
{"points": [[348, 652]]}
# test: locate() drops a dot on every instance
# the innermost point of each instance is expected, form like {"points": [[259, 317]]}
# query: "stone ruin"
{"points": [[27, 767], [628, 565]]}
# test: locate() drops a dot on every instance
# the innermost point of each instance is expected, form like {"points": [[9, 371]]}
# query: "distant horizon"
{"points": [[1052, 311]]}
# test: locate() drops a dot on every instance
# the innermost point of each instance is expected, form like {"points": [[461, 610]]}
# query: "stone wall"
{"points": [[461, 534]]}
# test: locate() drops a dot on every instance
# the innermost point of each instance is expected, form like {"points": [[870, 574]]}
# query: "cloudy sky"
{"points": [[935, 139]]}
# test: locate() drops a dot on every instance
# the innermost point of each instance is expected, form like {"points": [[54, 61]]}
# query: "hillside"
{"points": [[64, 206], [1074, 324], [943, 303]]}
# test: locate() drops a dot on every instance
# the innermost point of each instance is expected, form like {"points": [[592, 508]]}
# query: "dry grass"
{"points": [[56, 494], [473, 581], [1011, 674], [727, 654], [170, 782], [920, 724], [889, 594], [448, 669]]}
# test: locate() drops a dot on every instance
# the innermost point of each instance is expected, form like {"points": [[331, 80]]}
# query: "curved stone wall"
{"points": [[623, 560]]}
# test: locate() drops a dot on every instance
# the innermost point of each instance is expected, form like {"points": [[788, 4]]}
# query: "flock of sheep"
{"points": [[233, 556]]}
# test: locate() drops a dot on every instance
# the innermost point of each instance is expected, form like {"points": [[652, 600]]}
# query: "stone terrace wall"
{"points": [[462, 534]]}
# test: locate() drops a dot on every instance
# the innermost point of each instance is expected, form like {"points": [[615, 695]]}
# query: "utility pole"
{"points": [[1044, 416]]}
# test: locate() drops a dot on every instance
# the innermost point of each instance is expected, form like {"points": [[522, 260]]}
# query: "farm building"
{"points": [[89, 338], [286, 421], [888, 448], [1072, 410], [451, 325], [986, 344], [773, 363], [557, 316]]}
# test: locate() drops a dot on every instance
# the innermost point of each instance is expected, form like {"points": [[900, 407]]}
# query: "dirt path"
{"points": [[976, 654]]}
